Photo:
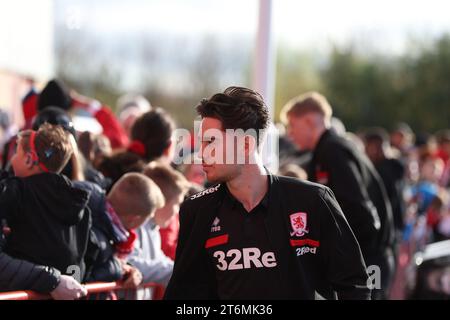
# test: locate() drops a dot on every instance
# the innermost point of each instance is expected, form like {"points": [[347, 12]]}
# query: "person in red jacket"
{"points": [[443, 152], [111, 126]]}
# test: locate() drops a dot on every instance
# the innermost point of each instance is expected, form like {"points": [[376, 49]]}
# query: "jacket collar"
{"points": [[228, 197], [327, 133]]}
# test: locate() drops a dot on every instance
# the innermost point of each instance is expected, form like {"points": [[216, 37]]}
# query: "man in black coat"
{"points": [[256, 235], [338, 164], [391, 170]]}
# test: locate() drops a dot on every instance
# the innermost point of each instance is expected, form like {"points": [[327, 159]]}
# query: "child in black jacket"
{"points": [[44, 211]]}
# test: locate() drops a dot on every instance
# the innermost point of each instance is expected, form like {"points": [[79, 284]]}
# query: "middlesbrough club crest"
{"points": [[298, 224]]}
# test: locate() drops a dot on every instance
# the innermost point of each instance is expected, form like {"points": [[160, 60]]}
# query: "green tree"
{"points": [[296, 73]]}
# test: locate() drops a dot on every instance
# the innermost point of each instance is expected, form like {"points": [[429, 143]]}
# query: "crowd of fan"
{"points": [[113, 212]]}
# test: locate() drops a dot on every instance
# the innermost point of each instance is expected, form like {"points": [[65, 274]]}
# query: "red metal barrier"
{"points": [[92, 288]]}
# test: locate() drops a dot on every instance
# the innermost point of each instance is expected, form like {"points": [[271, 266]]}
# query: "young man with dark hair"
{"points": [[256, 235]]}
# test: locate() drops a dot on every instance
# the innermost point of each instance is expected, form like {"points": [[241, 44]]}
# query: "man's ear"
{"points": [[167, 151], [29, 161]]}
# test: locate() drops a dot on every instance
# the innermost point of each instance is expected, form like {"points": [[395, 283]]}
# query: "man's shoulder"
{"points": [[97, 197], [305, 196], [336, 149], [201, 204], [87, 185], [298, 186], [334, 142]]}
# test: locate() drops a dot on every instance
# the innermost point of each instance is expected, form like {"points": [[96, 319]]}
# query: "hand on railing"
{"points": [[68, 289], [91, 288], [132, 278]]}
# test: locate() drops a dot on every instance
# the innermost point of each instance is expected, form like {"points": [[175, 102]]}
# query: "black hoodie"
{"points": [[48, 219]]}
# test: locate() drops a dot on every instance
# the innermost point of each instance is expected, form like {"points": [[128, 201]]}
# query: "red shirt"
{"points": [[169, 237]]}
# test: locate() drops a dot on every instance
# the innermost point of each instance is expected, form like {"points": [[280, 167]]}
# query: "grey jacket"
{"points": [[149, 258]]}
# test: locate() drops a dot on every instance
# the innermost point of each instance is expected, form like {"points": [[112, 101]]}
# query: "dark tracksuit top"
{"points": [[359, 190], [319, 256], [99, 258], [392, 173], [101, 263], [50, 226]]}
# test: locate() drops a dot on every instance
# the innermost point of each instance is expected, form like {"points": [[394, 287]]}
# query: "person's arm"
{"points": [[98, 268], [110, 270], [17, 274], [111, 126], [157, 270], [346, 270], [132, 277], [148, 257]]}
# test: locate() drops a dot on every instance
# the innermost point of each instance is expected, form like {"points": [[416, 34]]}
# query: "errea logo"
{"points": [[215, 226], [205, 192]]}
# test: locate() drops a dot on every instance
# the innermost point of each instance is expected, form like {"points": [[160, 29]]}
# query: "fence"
{"points": [[94, 289]]}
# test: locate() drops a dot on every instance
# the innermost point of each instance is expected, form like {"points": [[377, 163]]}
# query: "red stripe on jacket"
{"points": [[303, 242], [216, 241]]}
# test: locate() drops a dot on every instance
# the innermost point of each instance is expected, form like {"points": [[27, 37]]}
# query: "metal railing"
{"points": [[92, 288]]}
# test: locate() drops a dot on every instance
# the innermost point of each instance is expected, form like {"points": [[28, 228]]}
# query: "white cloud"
{"points": [[185, 17]]}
